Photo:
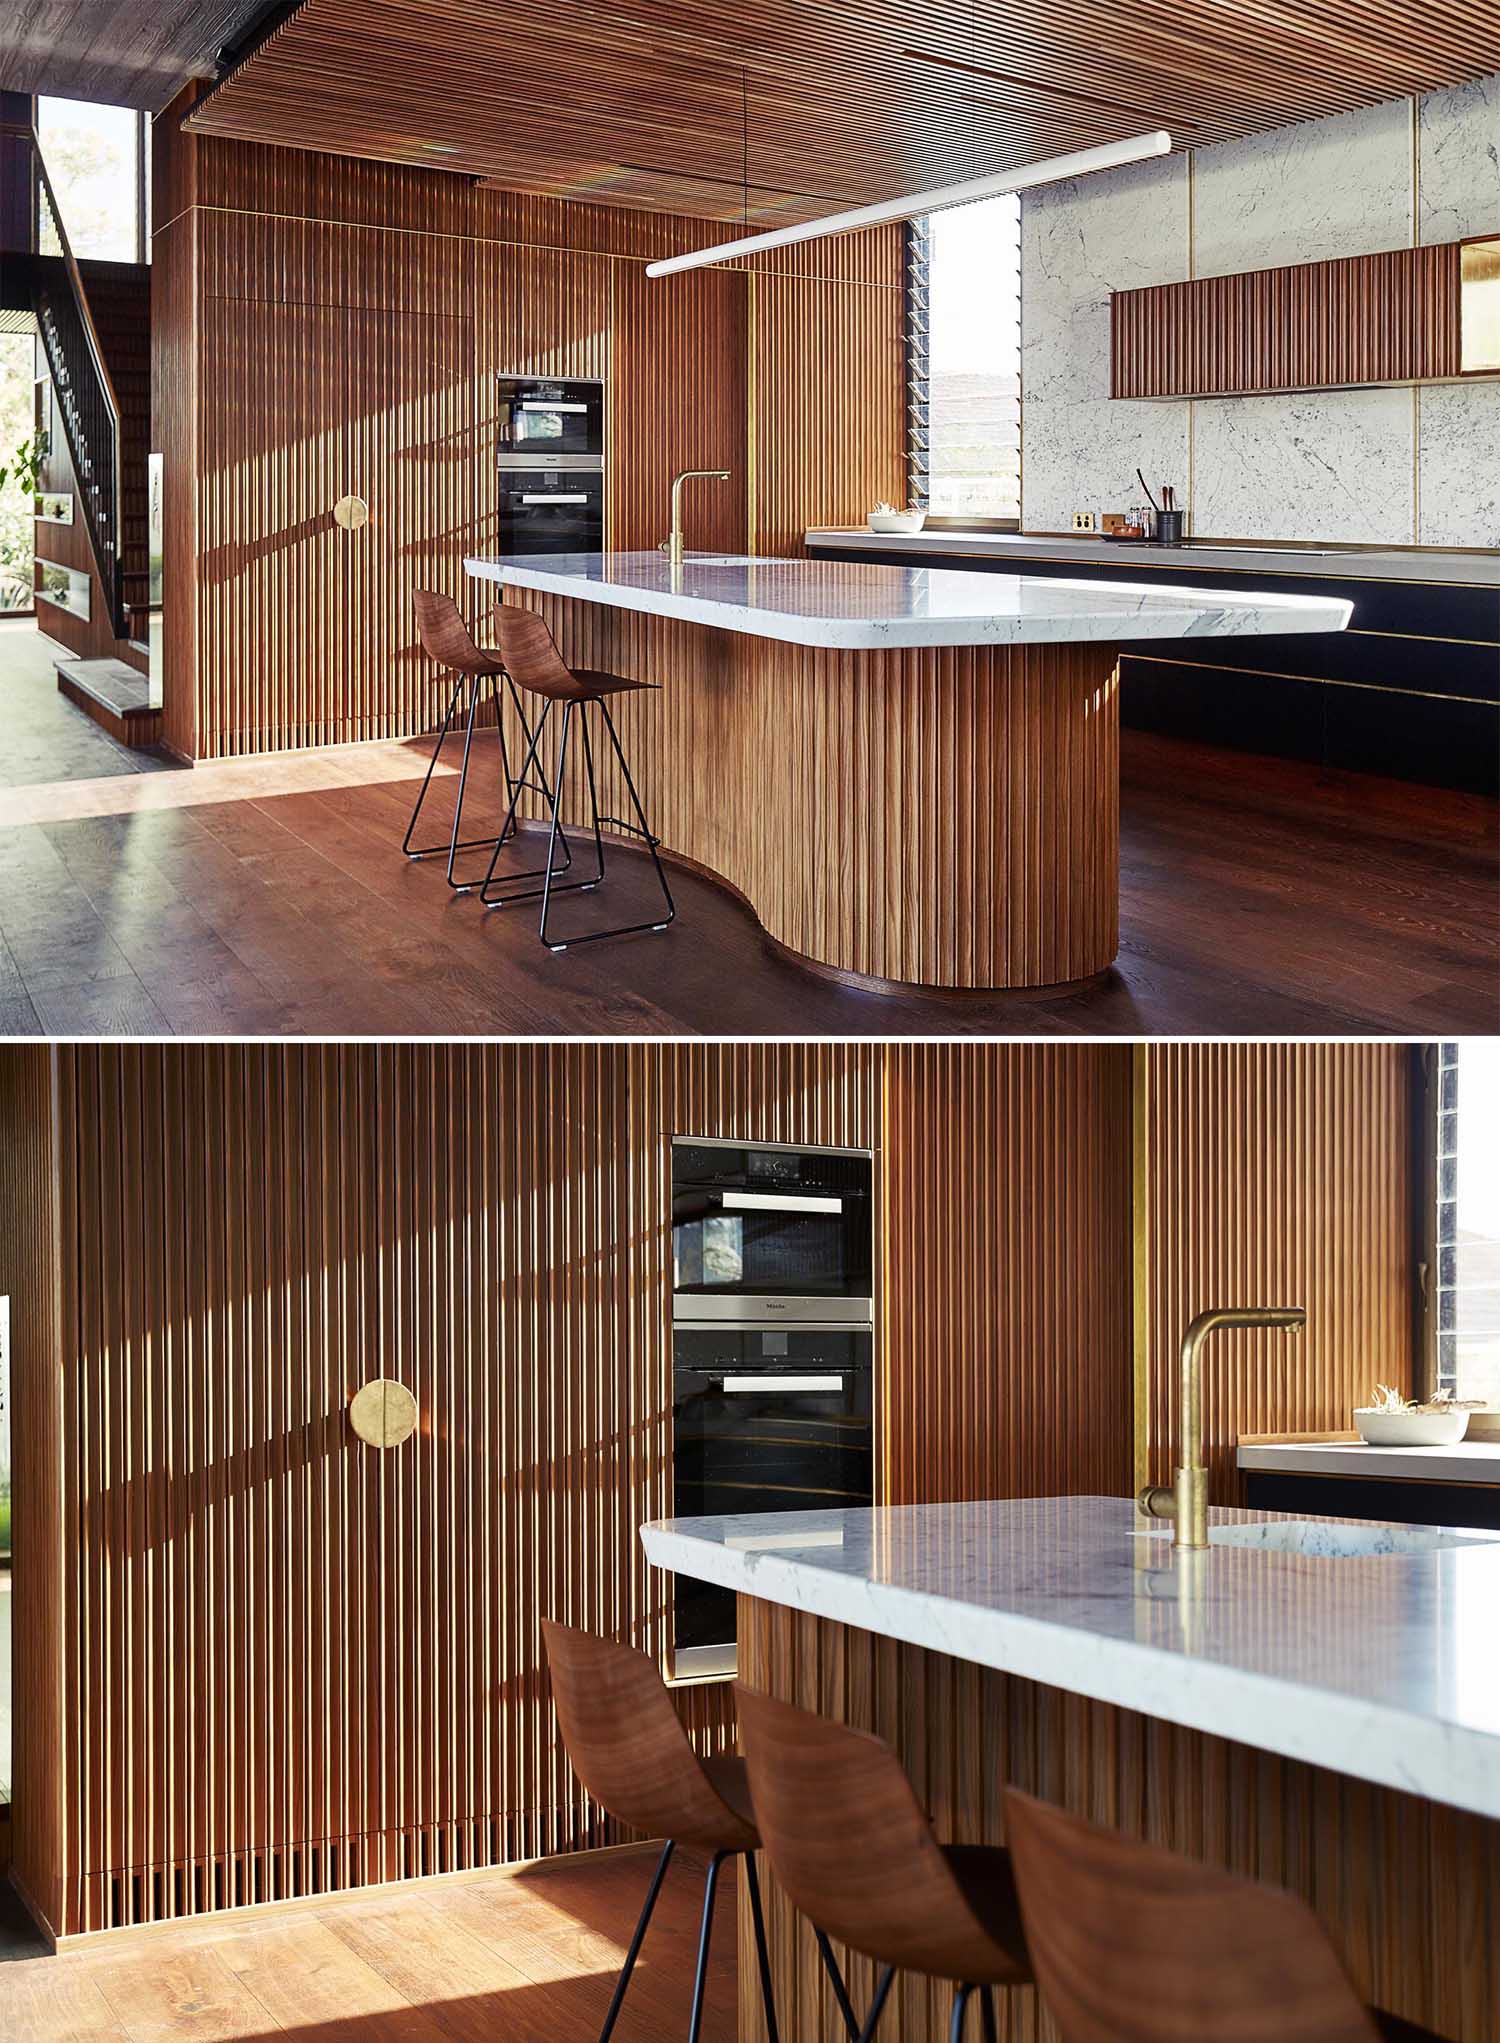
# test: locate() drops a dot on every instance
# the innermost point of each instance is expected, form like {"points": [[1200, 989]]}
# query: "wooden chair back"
{"points": [[444, 635], [1135, 1944], [852, 1847], [628, 1745], [531, 656]]}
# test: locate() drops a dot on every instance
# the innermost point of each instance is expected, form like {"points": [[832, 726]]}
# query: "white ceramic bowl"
{"points": [[897, 521], [1410, 1429]]}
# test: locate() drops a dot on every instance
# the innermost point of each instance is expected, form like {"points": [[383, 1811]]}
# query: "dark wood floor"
{"points": [[1258, 897], [528, 1955]]}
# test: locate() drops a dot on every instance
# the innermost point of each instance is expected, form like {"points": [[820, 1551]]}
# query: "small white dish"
{"points": [[1410, 1429], [897, 521]]}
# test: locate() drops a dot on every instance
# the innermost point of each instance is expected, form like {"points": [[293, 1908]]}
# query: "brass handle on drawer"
{"points": [[351, 513]]}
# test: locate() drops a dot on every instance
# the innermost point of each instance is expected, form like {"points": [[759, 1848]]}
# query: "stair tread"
{"points": [[111, 682]]}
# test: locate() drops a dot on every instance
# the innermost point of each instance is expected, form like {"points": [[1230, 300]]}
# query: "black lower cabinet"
{"points": [[1393, 1502], [1411, 690]]}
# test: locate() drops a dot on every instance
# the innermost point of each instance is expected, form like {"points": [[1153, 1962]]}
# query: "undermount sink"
{"points": [[1341, 1542]]}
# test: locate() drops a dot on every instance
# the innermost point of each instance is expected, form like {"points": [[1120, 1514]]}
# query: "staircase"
{"points": [[94, 322]]}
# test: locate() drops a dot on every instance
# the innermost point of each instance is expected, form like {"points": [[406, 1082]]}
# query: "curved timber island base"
{"points": [[910, 775], [934, 816]]}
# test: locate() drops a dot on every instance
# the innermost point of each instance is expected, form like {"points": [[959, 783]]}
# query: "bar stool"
{"points": [[447, 639], [1136, 1944], [851, 1844], [629, 1749], [533, 662]]}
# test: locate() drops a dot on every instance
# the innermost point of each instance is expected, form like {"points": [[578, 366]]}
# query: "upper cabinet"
{"points": [[1412, 315]]}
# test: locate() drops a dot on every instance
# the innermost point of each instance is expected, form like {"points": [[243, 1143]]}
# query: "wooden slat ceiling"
{"points": [[774, 108], [116, 52]]}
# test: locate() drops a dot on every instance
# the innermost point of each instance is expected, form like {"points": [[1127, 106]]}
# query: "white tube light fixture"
{"points": [[1108, 156]]}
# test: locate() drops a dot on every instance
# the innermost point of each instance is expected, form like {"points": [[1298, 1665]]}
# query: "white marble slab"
{"points": [[1341, 186], [1325, 464], [1385, 1667], [1458, 161], [1469, 1461], [1458, 465], [861, 606], [1337, 563]]}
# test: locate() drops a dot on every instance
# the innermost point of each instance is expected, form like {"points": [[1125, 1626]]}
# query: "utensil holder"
{"points": [[1169, 528]]}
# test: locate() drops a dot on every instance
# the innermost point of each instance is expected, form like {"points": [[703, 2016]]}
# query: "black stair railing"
{"points": [[85, 394]]}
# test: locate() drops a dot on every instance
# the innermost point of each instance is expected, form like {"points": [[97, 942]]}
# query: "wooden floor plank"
{"points": [[526, 1955], [1258, 896]]}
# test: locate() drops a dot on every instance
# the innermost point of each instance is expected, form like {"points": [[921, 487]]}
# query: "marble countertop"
{"points": [[1385, 1666], [1471, 570], [1469, 1461], [866, 606]]}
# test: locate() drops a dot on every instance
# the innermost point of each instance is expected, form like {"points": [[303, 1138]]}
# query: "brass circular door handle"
{"points": [[383, 1412], [351, 513]]}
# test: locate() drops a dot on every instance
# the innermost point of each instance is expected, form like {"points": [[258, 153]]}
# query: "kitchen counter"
{"points": [[910, 775], [1383, 1666], [1466, 570], [859, 607], [1469, 1461], [1325, 1723]]}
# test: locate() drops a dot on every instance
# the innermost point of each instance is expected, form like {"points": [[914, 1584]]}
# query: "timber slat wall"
{"points": [[1272, 1174], [1387, 318], [1408, 1890], [330, 326], [267, 1660], [1007, 1185]]}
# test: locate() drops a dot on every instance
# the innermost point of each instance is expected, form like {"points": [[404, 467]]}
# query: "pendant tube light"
{"points": [[1079, 163]]}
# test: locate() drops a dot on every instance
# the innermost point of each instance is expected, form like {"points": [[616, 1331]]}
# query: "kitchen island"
{"points": [[1310, 1702], [911, 775]]}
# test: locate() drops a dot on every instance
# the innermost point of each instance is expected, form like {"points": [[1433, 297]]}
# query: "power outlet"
{"points": [[1083, 521]]}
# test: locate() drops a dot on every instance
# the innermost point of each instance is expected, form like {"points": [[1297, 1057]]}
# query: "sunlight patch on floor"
{"points": [[237, 780]]}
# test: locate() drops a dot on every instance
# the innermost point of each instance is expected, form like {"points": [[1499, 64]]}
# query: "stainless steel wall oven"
{"points": [[773, 1402]]}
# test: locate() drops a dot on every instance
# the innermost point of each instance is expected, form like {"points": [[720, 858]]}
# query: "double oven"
{"points": [[772, 1352], [550, 455]]}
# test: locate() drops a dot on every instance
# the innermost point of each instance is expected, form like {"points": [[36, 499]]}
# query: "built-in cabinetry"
{"points": [[1405, 315]]}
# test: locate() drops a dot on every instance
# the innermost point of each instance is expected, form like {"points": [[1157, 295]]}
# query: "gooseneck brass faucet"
{"points": [[1186, 1501], [673, 547]]}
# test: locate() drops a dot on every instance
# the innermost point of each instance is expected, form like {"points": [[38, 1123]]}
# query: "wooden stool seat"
{"points": [[533, 661], [1133, 1943], [587, 684], [630, 1750], [477, 672], [851, 1845]]}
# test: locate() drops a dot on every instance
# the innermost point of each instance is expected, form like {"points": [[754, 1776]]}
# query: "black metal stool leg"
{"points": [[960, 2005], [463, 786], [541, 785], [762, 1955], [987, 2008], [557, 789], [425, 850], [700, 1980], [645, 827], [836, 1981], [877, 2005], [636, 1941]]}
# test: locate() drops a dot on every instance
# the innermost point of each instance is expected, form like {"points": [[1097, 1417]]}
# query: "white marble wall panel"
{"points": [[1458, 162], [1324, 188], [1458, 476], [1079, 242], [1319, 465]]}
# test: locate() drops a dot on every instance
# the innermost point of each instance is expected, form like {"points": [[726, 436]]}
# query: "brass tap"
{"points": [[1185, 1502], [672, 547]]}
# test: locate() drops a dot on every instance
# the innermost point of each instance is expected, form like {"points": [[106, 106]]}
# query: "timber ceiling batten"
{"points": [[793, 104]]}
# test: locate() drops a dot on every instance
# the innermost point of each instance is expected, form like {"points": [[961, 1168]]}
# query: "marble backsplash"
{"points": [[1381, 467]]}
